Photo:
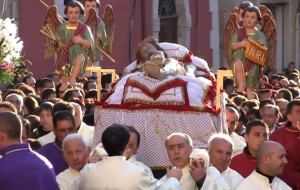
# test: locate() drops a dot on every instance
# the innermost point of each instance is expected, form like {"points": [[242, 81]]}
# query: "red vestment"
{"points": [[244, 163], [289, 138]]}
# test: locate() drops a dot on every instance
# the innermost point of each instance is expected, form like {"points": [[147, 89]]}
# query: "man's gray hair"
{"points": [[233, 111], [15, 94], [74, 136], [221, 136], [187, 138]]}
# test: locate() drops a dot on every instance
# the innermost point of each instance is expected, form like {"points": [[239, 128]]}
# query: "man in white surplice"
{"points": [[114, 172], [196, 175], [76, 152], [220, 148], [133, 147], [271, 161], [232, 118]]}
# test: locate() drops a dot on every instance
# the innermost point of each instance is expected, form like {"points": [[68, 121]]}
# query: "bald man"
{"points": [[271, 161]]}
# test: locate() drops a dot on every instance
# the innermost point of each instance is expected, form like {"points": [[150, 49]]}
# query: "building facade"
{"points": [[196, 24]]}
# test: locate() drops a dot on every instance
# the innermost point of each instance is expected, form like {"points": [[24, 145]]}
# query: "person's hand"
{"points": [[243, 43], [77, 39], [53, 42], [174, 172], [197, 169], [260, 43], [94, 158]]}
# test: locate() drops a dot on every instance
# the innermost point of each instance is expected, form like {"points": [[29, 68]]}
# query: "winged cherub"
{"points": [[102, 29], [247, 73], [73, 42]]}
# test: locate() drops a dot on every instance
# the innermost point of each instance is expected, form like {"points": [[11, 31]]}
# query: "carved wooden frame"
{"points": [[99, 71], [220, 77]]}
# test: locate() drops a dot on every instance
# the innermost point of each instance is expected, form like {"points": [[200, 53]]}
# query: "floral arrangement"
{"points": [[10, 52]]}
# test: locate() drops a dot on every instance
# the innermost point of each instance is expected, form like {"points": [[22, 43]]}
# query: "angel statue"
{"points": [[248, 72], [102, 29], [72, 41]]}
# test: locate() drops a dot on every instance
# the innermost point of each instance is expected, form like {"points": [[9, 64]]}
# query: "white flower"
{"points": [[12, 44]]}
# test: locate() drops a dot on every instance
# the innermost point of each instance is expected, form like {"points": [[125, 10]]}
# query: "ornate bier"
{"points": [[158, 108]]}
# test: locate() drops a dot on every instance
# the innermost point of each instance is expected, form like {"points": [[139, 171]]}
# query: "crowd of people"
{"points": [[47, 131]]}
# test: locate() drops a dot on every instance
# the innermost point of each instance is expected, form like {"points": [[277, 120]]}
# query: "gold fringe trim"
{"points": [[160, 167], [138, 101]]}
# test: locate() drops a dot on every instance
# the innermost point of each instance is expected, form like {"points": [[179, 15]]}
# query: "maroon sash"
{"points": [[241, 23], [64, 55], [242, 34]]}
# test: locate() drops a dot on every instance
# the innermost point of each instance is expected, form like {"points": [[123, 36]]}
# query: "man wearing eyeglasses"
{"points": [[133, 147]]}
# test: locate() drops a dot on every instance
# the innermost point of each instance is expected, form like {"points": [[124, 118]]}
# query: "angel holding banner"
{"points": [[72, 41], [247, 72]]}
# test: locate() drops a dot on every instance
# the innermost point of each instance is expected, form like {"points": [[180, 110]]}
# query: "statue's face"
{"points": [[73, 14], [89, 5], [147, 50], [250, 19]]}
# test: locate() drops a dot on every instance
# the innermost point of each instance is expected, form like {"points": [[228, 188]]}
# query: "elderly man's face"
{"points": [[179, 151], [220, 154], [76, 154], [16, 100]]}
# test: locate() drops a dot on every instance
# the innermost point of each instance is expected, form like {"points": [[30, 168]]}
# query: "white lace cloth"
{"points": [[154, 124]]}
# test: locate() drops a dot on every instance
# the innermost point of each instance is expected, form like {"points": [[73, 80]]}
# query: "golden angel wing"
{"points": [[268, 27], [92, 22], [265, 10], [52, 21], [231, 26], [108, 19]]}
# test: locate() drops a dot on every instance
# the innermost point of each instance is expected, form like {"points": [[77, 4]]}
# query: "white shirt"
{"points": [[87, 132], [256, 181], [232, 178], [49, 138], [133, 160], [273, 129], [66, 178], [115, 173], [239, 143], [213, 180]]}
